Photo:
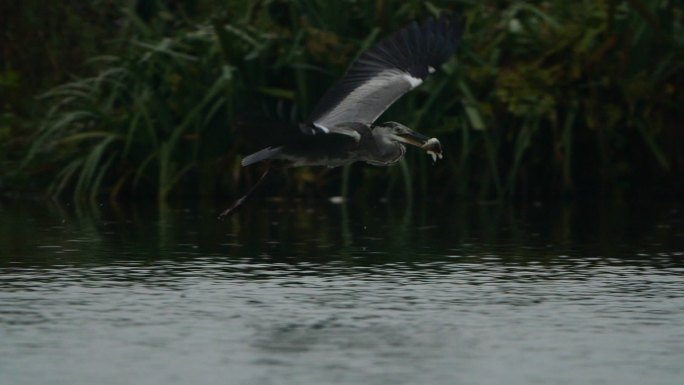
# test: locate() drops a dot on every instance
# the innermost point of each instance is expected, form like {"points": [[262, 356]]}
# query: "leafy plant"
{"points": [[544, 99]]}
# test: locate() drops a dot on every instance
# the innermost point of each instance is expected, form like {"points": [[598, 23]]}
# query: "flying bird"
{"points": [[342, 130]]}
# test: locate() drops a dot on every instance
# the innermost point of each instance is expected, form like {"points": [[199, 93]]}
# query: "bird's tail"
{"points": [[261, 155]]}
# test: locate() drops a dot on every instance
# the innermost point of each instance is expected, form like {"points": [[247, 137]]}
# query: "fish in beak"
{"points": [[433, 148], [431, 145]]}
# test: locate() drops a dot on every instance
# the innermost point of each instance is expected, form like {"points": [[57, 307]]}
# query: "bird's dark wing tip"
{"points": [[420, 48]]}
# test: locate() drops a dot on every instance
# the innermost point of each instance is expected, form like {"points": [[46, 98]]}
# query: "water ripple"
{"points": [[377, 300]]}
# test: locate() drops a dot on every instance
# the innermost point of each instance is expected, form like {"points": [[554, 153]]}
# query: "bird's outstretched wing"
{"points": [[385, 72]]}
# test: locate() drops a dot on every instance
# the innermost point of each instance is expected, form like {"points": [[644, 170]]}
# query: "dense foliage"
{"points": [[545, 98]]}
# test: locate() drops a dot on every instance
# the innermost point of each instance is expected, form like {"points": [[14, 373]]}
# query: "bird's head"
{"points": [[400, 133]]}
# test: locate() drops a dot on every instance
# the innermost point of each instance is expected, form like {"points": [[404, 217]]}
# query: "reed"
{"points": [[544, 99]]}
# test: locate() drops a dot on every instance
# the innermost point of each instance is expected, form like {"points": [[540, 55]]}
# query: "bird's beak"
{"points": [[413, 138], [430, 145]]}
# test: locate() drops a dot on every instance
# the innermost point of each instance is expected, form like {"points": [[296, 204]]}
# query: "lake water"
{"points": [[342, 294]]}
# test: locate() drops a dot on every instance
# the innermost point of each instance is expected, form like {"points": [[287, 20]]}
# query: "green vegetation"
{"points": [[544, 99]]}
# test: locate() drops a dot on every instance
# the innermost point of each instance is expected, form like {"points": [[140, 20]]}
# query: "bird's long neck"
{"points": [[387, 150]]}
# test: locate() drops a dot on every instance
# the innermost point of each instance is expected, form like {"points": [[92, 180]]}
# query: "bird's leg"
{"points": [[242, 200]]}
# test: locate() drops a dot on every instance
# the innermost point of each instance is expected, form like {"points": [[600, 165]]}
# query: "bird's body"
{"points": [[363, 143], [341, 127]]}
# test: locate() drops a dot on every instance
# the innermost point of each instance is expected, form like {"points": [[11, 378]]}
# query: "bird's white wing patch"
{"points": [[336, 130], [415, 82], [321, 127]]}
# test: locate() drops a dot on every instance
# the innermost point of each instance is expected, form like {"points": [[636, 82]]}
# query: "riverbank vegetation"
{"points": [[545, 99]]}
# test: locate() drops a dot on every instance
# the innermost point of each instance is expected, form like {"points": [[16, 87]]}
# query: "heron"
{"points": [[341, 128]]}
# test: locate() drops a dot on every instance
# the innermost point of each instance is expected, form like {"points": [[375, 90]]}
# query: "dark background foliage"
{"points": [[546, 99]]}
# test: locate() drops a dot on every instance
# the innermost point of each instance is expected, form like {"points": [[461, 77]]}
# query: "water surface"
{"points": [[342, 294]]}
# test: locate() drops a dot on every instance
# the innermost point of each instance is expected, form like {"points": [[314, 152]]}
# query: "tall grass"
{"points": [[544, 99]]}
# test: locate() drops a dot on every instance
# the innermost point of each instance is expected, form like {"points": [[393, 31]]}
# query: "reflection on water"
{"points": [[381, 294]]}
